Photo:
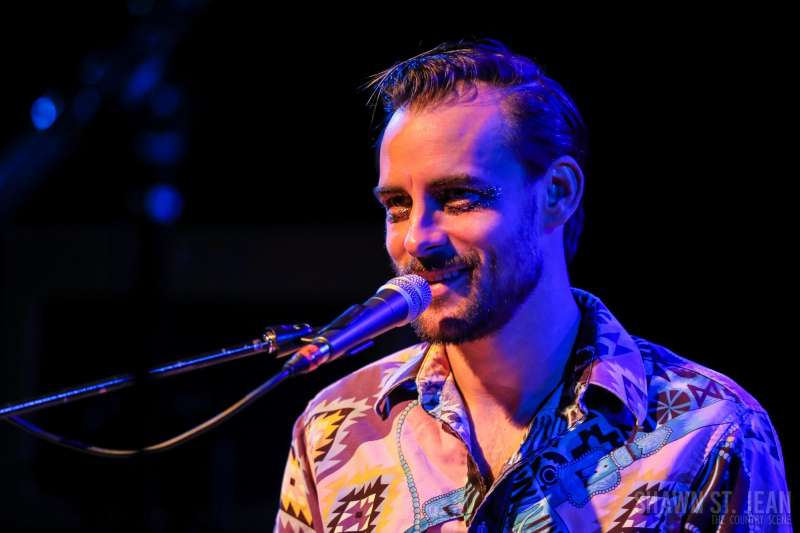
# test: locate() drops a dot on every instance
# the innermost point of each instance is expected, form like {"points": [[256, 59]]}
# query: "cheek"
{"points": [[395, 242], [478, 233]]}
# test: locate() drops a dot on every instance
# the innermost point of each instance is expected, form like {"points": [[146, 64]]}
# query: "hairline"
{"points": [[509, 137]]}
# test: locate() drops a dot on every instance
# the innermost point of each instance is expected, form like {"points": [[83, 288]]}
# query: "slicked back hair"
{"points": [[542, 121]]}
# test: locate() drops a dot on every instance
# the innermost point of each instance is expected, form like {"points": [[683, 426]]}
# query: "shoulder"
{"points": [[362, 388], [667, 371], [340, 423], [703, 398]]}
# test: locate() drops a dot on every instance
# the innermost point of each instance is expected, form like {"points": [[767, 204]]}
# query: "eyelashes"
{"points": [[452, 200], [458, 201], [397, 208]]}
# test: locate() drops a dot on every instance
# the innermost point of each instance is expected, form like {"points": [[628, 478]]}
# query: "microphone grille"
{"points": [[417, 289]]}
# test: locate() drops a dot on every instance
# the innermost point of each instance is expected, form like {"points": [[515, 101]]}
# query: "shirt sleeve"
{"points": [[741, 485], [298, 510]]}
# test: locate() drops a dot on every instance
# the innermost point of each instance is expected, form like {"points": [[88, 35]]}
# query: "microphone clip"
{"points": [[285, 340]]}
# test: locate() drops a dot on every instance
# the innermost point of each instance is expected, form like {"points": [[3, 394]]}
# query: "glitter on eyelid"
{"points": [[485, 199], [489, 194]]}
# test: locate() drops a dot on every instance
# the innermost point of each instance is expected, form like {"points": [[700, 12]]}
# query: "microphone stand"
{"points": [[396, 303], [277, 340]]}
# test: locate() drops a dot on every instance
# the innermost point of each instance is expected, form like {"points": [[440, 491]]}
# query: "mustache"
{"points": [[430, 263]]}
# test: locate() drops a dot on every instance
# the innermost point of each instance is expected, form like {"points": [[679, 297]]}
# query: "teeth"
{"points": [[446, 276]]}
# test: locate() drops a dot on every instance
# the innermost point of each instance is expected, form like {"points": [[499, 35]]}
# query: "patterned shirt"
{"points": [[635, 439]]}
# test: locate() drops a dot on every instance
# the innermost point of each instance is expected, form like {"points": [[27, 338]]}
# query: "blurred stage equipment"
{"points": [[132, 74], [398, 302]]}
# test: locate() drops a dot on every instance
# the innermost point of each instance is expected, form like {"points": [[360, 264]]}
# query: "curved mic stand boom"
{"points": [[280, 341], [398, 302]]}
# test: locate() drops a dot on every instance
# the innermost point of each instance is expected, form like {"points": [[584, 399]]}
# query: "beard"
{"points": [[495, 289]]}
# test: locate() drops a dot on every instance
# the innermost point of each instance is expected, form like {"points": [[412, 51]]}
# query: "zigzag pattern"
{"points": [[585, 464], [634, 516], [358, 509], [294, 501], [321, 430]]}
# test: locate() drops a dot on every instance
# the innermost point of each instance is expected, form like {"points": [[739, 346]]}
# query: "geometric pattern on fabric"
{"points": [[659, 372], [337, 489], [591, 435], [293, 496], [701, 394], [538, 519], [633, 394], [322, 429], [527, 503], [359, 508], [636, 514], [291, 525], [585, 465], [761, 431], [668, 404], [543, 470]]}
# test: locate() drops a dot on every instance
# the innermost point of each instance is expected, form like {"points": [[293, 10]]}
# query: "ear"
{"points": [[564, 189]]}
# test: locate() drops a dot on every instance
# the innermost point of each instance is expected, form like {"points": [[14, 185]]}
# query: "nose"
{"points": [[424, 235]]}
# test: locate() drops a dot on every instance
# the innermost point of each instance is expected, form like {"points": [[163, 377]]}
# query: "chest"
{"points": [[568, 480], [494, 440]]}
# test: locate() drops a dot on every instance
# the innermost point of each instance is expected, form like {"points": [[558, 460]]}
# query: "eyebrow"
{"points": [[462, 180]]}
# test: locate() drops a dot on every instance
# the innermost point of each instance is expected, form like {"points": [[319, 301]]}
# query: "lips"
{"points": [[437, 276]]}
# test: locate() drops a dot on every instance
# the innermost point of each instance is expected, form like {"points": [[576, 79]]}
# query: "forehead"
{"points": [[463, 138]]}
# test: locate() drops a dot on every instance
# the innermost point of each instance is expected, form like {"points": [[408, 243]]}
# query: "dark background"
{"points": [[685, 235]]}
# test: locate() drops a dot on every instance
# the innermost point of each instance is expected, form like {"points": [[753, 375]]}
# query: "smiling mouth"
{"points": [[437, 276]]}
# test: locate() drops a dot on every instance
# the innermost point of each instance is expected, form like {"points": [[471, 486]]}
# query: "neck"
{"points": [[515, 369]]}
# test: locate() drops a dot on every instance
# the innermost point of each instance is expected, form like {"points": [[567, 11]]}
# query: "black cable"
{"points": [[254, 395]]}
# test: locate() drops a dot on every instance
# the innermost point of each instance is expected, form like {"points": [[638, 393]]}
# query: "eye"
{"points": [[397, 208], [457, 200]]}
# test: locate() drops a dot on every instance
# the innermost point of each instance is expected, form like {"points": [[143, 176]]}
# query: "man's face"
{"points": [[461, 213]]}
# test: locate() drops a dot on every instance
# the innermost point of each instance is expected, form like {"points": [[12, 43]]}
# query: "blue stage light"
{"points": [[143, 79], [43, 113], [161, 148], [164, 203]]}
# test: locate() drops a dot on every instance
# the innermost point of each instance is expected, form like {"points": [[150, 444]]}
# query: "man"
{"points": [[528, 407]]}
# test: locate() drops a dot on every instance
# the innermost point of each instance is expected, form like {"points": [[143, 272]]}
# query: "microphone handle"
{"points": [[351, 332]]}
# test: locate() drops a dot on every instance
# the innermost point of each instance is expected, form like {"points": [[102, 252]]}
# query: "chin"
{"points": [[451, 328], [452, 331]]}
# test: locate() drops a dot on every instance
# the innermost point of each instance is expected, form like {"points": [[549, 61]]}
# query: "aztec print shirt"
{"points": [[638, 439]]}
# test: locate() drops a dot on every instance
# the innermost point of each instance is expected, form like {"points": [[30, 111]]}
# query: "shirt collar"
{"points": [[604, 355], [403, 376]]}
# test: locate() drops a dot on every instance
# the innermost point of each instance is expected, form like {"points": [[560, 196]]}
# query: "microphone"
{"points": [[396, 303]]}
